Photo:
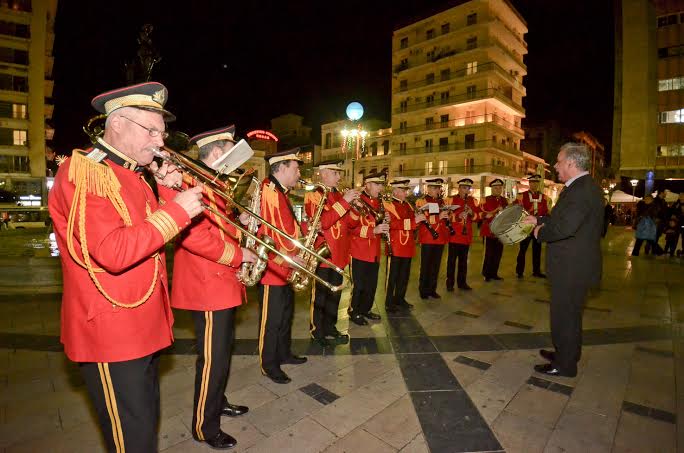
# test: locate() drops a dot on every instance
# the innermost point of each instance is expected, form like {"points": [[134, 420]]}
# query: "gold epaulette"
{"points": [[97, 178], [421, 202]]}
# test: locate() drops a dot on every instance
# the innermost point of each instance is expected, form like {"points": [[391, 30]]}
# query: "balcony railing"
{"points": [[470, 121], [458, 146], [670, 161], [460, 170], [481, 68], [460, 98]]}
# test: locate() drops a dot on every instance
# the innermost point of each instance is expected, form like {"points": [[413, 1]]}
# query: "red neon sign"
{"points": [[262, 135]]}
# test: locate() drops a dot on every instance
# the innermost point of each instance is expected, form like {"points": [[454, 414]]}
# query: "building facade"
{"points": [[26, 61], [457, 91], [648, 128]]}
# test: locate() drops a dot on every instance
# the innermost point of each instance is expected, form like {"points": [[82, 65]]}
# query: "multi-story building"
{"points": [[457, 93], [648, 126], [26, 41], [457, 90]]}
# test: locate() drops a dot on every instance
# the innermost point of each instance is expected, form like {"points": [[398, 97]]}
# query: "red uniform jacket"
{"points": [[457, 222], [491, 203], [276, 209], [205, 263], [124, 255], [365, 245], [535, 203], [424, 236], [336, 220], [402, 225]]}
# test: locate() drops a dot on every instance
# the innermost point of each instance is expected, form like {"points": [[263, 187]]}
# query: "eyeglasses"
{"points": [[153, 132]]}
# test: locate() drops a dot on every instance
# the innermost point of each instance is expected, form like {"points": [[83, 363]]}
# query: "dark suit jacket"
{"points": [[573, 233]]}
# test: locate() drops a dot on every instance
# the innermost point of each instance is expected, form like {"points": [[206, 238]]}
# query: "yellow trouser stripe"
{"points": [[202, 400], [311, 309], [112, 409], [389, 265], [262, 328]]}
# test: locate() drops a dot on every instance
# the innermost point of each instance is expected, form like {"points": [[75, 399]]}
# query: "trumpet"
{"points": [[201, 175], [380, 216]]}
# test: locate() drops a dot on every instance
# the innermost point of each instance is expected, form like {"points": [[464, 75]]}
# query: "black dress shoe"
{"points": [[277, 376], [496, 277], [405, 305], [372, 316], [520, 275], [320, 341], [551, 370], [221, 441], [337, 337], [539, 274], [465, 287], [233, 410], [435, 296], [294, 360], [359, 320], [487, 279], [450, 289], [547, 355]]}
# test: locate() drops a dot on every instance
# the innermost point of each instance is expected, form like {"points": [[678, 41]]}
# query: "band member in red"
{"points": [[335, 222], [536, 204], [276, 295], [493, 204], [365, 252], [464, 211], [204, 281], [111, 231], [432, 235], [403, 221]]}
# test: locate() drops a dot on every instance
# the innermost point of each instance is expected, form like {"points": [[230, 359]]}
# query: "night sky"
{"points": [[245, 63]]}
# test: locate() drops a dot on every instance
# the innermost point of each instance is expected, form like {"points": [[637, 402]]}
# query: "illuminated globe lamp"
{"points": [[354, 111], [354, 139]]}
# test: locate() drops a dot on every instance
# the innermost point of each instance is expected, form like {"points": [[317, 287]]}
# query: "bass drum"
{"points": [[507, 225]]}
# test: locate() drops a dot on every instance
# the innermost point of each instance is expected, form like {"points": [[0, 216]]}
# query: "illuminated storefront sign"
{"points": [[262, 135]]}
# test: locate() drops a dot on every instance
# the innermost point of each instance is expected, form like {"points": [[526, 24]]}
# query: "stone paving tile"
{"points": [[359, 441], [518, 435], [305, 436], [396, 425], [637, 434], [417, 445], [283, 412], [540, 406], [489, 397], [580, 431]]}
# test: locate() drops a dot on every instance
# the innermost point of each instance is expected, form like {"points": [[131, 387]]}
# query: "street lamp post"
{"points": [[634, 183], [354, 139]]}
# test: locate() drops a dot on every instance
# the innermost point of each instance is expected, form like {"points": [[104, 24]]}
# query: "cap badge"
{"points": [[159, 97]]}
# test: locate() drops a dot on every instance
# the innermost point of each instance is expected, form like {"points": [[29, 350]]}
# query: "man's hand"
{"points": [[167, 175], [351, 195], [444, 215], [248, 256], [191, 201], [297, 259], [536, 230], [420, 218], [530, 219], [381, 229], [244, 218]]}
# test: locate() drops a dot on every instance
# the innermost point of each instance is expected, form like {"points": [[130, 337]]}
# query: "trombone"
{"points": [[222, 190]]}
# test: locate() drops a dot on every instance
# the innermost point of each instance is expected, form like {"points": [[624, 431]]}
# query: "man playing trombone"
{"points": [[206, 258], [276, 295], [365, 251], [403, 221], [335, 223]]}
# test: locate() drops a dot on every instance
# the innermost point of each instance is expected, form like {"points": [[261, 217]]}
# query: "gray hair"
{"points": [[123, 111], [275, 167], [579, 154], [206, 149]]}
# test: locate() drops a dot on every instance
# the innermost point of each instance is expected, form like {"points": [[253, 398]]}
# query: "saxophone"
{"points": [[249, 274], [298, 279]]}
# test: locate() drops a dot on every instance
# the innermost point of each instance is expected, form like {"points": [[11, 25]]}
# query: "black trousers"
{"points": [[651, 246], [430, 261], [126, 399], [396, 280], [324, 304], [215, 335], [275, 332], [567, 304], [457, 252], [492, 258], [536, 255], [365, 279]]}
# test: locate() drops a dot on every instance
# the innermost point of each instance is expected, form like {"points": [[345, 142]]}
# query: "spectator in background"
{"points": [[646, 212], [608, 217], [671, 236], [662, 214]]}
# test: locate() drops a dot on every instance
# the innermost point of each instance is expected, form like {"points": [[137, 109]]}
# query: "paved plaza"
{"points": [[455, 375]]}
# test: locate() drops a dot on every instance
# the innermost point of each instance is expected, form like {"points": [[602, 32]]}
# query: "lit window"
{"points": [[673, 116], [443, 167], [428, 168], [471, 68], [19, 137], [676, 83], [19, 111]]}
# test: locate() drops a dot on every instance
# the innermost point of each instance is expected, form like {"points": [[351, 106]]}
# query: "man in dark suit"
{"points": [[572, 232]]}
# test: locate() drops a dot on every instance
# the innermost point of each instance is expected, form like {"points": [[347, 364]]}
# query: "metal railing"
{"points": [[461, 170], [471, 121], [458, 146], [459, 98], [481, 68]]}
